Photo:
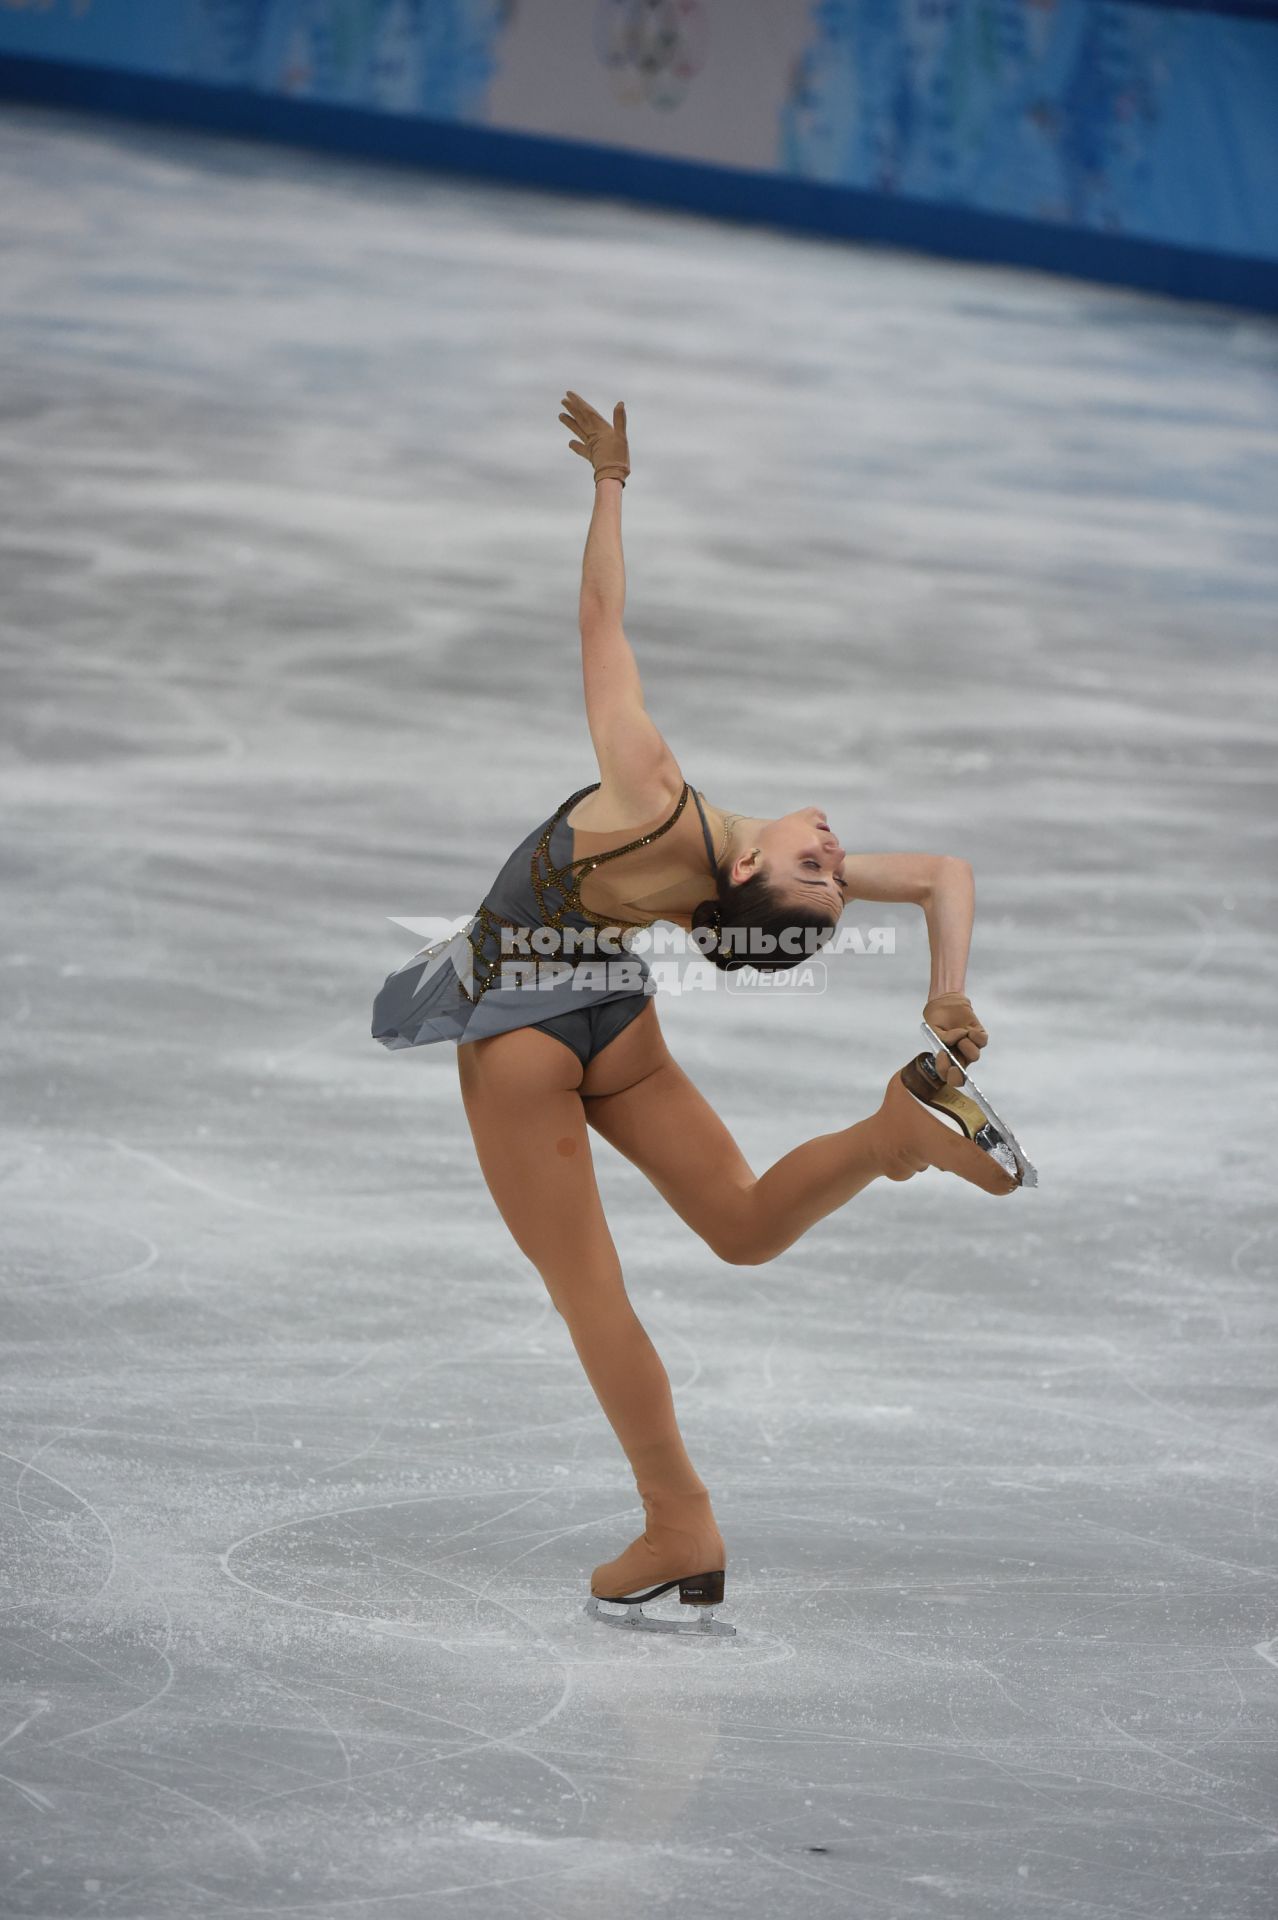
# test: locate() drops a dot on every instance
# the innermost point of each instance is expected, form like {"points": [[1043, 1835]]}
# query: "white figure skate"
{"points": [[970, 1107]]}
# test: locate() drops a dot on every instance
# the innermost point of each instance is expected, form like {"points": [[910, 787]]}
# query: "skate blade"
{"points": [[1004, 1147], [637, 1621]]}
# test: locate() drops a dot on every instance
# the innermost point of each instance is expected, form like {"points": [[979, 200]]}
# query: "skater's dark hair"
{"points": [[751, 924]]}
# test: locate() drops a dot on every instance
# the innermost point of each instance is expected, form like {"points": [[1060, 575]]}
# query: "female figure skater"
{"points": [[549, 1047]]}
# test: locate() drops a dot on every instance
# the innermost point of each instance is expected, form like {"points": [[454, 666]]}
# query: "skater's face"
{"points": [[803, 859]]}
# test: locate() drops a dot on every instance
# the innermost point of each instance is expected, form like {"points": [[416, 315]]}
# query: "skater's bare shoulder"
{"points": [[629, 797]]}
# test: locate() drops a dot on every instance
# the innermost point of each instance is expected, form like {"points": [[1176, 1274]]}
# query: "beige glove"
{"points": [[950, 1016], [604, 446]]}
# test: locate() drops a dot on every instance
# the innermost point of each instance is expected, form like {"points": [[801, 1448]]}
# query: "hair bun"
{"points": [[708, 918]]}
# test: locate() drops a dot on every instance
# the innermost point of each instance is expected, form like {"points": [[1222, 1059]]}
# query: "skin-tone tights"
{"points": [[528, 1120]]}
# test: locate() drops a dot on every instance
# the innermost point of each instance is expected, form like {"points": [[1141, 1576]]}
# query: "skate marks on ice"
{"points": [[362, 1556], [340, 1561], [71, 1651]]}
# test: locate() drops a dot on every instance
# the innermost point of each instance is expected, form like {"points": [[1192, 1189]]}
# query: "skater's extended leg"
{"points": [[644, 1104], [520, 1092]]}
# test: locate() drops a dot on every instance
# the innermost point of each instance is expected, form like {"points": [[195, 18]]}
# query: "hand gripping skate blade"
{"points": [[1005, 1138]]}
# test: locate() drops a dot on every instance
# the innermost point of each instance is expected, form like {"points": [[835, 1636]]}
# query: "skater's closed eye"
{"points": [[839, 885]]}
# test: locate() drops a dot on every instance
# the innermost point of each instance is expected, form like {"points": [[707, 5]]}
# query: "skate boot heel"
{"points": [[702, 1589], [980, 1153]]}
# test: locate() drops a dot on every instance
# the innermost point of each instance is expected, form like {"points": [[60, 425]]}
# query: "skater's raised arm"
{"points": [[942, 884], [636, 767], [637, 771]]}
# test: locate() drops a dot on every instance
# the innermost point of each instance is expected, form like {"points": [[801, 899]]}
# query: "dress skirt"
{"points": [[440, 993], [427, 999]]}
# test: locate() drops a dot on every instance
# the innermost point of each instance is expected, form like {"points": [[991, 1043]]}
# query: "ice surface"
{"points": [[303, 1479]]}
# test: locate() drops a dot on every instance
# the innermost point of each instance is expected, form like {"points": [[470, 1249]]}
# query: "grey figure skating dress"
{"points": [[489, 978]]}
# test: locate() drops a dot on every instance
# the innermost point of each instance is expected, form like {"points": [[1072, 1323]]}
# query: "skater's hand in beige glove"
{"points": [[604, 446], [950, 1016]]}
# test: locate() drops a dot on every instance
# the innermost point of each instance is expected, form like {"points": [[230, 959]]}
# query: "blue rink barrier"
{"points": [[783, 198]]}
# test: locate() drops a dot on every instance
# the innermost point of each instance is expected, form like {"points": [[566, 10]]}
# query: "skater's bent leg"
{"points": [[526, 1119], [815, 1179], [662, 1122]]}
